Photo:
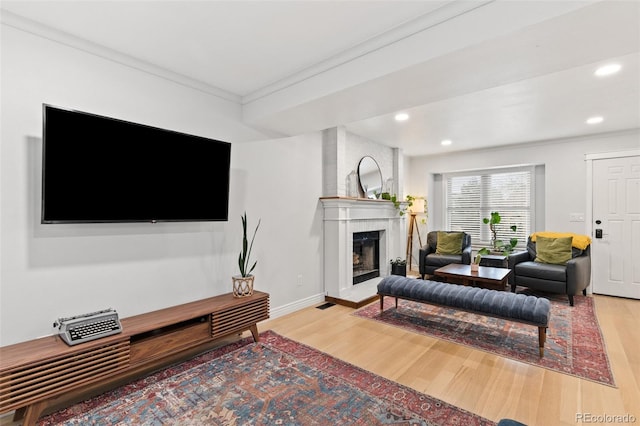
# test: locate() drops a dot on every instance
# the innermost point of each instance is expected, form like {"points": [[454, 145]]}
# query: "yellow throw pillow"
{"points": [[553, 250], [449, 243]]}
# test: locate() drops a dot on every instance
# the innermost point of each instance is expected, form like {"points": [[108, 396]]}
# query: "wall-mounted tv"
{"points": [[100, 169]]}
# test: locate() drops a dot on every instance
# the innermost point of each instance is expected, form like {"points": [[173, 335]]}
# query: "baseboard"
{"points": [[297, 305]]}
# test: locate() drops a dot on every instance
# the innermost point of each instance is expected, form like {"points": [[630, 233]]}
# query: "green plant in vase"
{"points": [[479, 255], [496, 244], [476, 260], [243, 284]]}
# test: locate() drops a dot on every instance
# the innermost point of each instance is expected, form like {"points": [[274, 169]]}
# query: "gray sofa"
{"points": [[429, 261], [569, 279]]}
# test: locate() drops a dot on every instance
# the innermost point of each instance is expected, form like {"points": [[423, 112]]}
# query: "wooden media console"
{"points": [[46, 372]]}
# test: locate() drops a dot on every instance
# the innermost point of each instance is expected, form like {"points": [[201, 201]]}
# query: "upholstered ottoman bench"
{"points": [[531, 310]]}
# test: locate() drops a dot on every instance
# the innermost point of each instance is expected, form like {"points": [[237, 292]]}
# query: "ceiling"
{"points": [[478, 73]]}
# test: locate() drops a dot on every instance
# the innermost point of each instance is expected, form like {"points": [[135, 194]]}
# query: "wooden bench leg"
{"points": [[382, 302], [542, 337]]}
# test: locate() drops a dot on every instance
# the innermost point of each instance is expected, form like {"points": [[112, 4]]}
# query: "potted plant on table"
{"points": [[476, 261], [243, 283], [399, 266]]}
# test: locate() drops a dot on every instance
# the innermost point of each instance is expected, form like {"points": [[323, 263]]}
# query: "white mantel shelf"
{"points": [[364, 200], [350, 208], [344, 216]]}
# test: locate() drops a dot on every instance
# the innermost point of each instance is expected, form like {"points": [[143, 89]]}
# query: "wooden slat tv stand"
{"points": [[46, 373]]}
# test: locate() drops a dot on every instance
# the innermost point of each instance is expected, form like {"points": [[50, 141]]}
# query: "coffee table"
{"points": [[485, 277]]}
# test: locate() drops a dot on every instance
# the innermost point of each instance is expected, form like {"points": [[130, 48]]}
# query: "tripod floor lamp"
{"points": [[416, 208]]}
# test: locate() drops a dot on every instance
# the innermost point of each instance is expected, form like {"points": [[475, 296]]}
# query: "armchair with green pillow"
{"points": [[553, 263], [443, 248]]}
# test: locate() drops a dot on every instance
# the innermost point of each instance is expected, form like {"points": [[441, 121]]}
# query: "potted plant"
{"points": [[496, 244], [476, 261], [399, 266], [243, 283]]}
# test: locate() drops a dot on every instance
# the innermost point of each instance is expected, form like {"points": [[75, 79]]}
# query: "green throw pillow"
{"points": [[553, 250], [449, 243]]}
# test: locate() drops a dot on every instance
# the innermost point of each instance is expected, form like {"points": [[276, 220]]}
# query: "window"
{"points": [[470, 197]]}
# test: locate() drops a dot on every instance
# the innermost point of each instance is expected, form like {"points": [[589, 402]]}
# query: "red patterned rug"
{"points": [[574, 341], [275, 381]]}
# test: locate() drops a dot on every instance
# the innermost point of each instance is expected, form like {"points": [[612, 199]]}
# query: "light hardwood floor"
{"points": [[489, 385], [485, 384]]}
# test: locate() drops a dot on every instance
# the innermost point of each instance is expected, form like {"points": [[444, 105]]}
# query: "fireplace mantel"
{"points": [[343, 216]]}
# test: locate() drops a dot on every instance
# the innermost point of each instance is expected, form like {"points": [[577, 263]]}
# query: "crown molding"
{"points": [[23, 24], [403, 31]]}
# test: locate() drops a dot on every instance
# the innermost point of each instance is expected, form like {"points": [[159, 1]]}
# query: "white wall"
{"points": [[565, 177], [280, 182], [48, 271]]}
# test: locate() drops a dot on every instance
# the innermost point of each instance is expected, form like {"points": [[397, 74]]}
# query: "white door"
{"points": [[615, 250]]}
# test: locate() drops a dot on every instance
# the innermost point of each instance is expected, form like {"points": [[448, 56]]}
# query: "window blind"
{"points": [[470, 197]]}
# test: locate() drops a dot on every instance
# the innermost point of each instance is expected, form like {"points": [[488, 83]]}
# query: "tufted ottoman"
{"points": [[531, 310]]}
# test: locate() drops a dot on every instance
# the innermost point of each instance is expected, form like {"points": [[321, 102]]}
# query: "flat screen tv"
{"points": [[100, 169]]}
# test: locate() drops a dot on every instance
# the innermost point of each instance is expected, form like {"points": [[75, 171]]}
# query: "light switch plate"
{"points": [[576, 217]]}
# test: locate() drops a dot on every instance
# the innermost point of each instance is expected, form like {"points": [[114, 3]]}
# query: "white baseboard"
{"points": [[296, 306]]}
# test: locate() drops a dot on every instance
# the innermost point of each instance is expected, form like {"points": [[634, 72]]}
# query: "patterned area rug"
{"points": [[574, 341], [276, 381]]}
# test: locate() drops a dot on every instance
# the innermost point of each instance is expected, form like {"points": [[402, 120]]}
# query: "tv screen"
{"points": [[100, 169]]}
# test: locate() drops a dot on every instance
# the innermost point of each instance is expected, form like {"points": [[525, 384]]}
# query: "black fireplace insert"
{"points": [[366, 256]]}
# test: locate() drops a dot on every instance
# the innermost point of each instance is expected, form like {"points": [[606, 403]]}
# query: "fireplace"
{"points": [[366, 256], [343, 217]]}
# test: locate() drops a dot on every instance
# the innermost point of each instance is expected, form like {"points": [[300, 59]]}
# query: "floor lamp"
{"points": [[417, 207]]}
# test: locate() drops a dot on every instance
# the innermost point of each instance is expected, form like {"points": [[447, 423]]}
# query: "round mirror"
{"points": [[370, 177]]}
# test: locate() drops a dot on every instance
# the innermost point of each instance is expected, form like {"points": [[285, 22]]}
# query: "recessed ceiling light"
{"points": [[402, 116], [446, 142], [595, 120], [608, 70]]}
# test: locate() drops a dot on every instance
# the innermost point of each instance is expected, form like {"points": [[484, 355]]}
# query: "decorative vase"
{"points": [[242, 286], [474, 267], [389, 186], [352, 184]]}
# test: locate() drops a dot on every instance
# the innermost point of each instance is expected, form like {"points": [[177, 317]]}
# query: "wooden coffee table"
{"points": [[486, 276]]}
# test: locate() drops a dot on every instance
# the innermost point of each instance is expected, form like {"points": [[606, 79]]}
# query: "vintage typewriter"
{"points": [[87, 327]]}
